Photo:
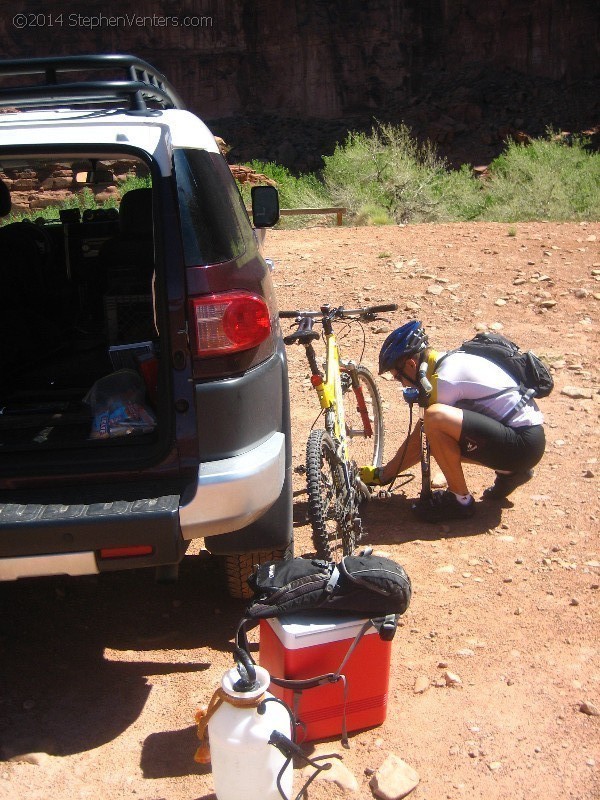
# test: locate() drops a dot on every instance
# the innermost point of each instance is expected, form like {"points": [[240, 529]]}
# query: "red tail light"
{"points": [[229, 322]]}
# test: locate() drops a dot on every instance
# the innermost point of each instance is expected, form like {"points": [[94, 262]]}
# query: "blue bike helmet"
{"points": [[405, 341]]}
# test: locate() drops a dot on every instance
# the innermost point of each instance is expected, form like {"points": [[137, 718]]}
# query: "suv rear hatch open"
{"points": [[86, 378]]}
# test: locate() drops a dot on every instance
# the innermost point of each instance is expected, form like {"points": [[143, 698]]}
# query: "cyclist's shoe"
{"points": [[371, 475], [505, 484], [443, 505]]}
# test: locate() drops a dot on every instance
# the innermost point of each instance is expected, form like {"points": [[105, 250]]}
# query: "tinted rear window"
{"points": [[211, 212]]}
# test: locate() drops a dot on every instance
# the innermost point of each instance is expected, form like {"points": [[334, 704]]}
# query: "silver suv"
{"points": [[143, 379]]}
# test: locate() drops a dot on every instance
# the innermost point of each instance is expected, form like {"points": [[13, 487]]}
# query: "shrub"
{"points": [[389, 176], [550, 178], [134, 182], [386, 170], [460, 195], [83, 199]]}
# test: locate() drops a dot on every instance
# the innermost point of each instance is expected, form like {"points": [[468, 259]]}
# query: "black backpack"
{"points": [[530, 373], [366, 586]]}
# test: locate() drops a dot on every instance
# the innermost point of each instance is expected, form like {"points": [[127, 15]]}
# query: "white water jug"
{"points": [[244, 764]]}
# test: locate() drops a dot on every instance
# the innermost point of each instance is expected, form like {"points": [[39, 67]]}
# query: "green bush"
{"points": [[461, 197], [386, 170], [134, 182], [83, 200], [389, 175], [548, 179]]}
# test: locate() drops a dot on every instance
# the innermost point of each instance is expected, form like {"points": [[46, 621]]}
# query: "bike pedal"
{"points": [[384, 494]]}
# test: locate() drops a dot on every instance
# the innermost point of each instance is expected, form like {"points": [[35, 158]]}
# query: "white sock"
{"points": [[463, 499]]}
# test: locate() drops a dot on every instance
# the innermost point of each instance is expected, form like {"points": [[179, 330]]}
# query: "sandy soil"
{"points": [[100, 677]]}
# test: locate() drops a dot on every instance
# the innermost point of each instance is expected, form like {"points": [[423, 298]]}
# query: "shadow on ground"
{"points": [[391, 520], [59, 692]]}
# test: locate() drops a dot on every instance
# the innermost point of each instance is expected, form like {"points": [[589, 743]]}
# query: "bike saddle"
{"points": [[303, 334], [301, 337]]}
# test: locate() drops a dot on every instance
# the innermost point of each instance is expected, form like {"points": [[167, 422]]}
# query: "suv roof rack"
{"points": [[142, 83]]}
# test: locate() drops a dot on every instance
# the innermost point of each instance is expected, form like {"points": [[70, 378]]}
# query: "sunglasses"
{"points": [[397, 370]]}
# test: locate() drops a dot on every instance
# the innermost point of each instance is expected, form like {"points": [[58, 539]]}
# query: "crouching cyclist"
{"points": [[473, 414]]}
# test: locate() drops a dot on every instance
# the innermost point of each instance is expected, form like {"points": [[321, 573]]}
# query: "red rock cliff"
{"points": [[337, 59]]}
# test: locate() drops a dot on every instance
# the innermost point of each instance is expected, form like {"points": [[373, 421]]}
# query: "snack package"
{"points": [[117, 403]]}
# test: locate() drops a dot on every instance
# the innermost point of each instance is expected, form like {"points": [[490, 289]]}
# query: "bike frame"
{"points": [[411, 396], [334, 487], [330, 390]]}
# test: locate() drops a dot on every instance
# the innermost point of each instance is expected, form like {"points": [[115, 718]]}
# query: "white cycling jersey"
{"points": [[465, 377]]}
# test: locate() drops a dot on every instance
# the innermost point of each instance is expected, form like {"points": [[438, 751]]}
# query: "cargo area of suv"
{"points": [[80, 339], [143, 381]]}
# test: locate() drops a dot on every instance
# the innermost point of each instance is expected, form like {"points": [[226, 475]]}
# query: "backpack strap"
{"points": [[443, 357], [526, 396]]}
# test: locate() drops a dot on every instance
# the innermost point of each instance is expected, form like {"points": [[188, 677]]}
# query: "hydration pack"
{"points": [[530, 373], [364, 585]]}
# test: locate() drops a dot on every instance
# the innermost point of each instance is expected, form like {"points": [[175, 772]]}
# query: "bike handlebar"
{"points": [[294, 314], [341, 312], [384, 307]]}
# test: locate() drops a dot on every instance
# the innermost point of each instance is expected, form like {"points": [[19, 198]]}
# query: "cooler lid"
{"points": [[308, 630]]}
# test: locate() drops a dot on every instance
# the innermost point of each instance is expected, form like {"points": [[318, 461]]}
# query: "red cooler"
{"points": [[299, 647]]}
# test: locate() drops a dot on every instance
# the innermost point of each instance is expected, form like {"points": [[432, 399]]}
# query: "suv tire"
{"points": [[238, 566]]}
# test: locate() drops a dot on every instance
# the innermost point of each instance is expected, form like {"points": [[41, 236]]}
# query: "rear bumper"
{"points": [[233, 492], [39, 539], [11, 569]]}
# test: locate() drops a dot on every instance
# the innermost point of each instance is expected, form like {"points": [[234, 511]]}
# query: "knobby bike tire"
{"points": [[332, 527], [364, 449]]}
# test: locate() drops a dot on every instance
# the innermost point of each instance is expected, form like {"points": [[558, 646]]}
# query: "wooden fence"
{"points": [[296, 212]]}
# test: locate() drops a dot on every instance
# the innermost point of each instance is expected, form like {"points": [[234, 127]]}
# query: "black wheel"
{"points": [[364, 446], [331, 509]]}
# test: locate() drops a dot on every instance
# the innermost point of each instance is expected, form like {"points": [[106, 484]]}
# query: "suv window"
{"points": [[210, 208]]}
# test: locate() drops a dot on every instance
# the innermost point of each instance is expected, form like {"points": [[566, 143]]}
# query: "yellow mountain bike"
{"points": [[353, 431]]}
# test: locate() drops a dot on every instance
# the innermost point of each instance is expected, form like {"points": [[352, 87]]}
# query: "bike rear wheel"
{"points": [[330, 517], [364, 446]]}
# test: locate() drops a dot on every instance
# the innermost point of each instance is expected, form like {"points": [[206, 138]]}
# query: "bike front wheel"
{"points": [[363, 410], [329, 511]]}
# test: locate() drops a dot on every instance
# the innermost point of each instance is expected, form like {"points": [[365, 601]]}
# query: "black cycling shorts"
{"points": [[488, 442]]}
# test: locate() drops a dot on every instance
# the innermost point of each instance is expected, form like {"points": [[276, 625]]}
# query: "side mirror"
{"points": [[265, 206]]}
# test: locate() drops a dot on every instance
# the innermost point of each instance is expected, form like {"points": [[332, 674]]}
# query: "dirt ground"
{"points": [[100, 677]]}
